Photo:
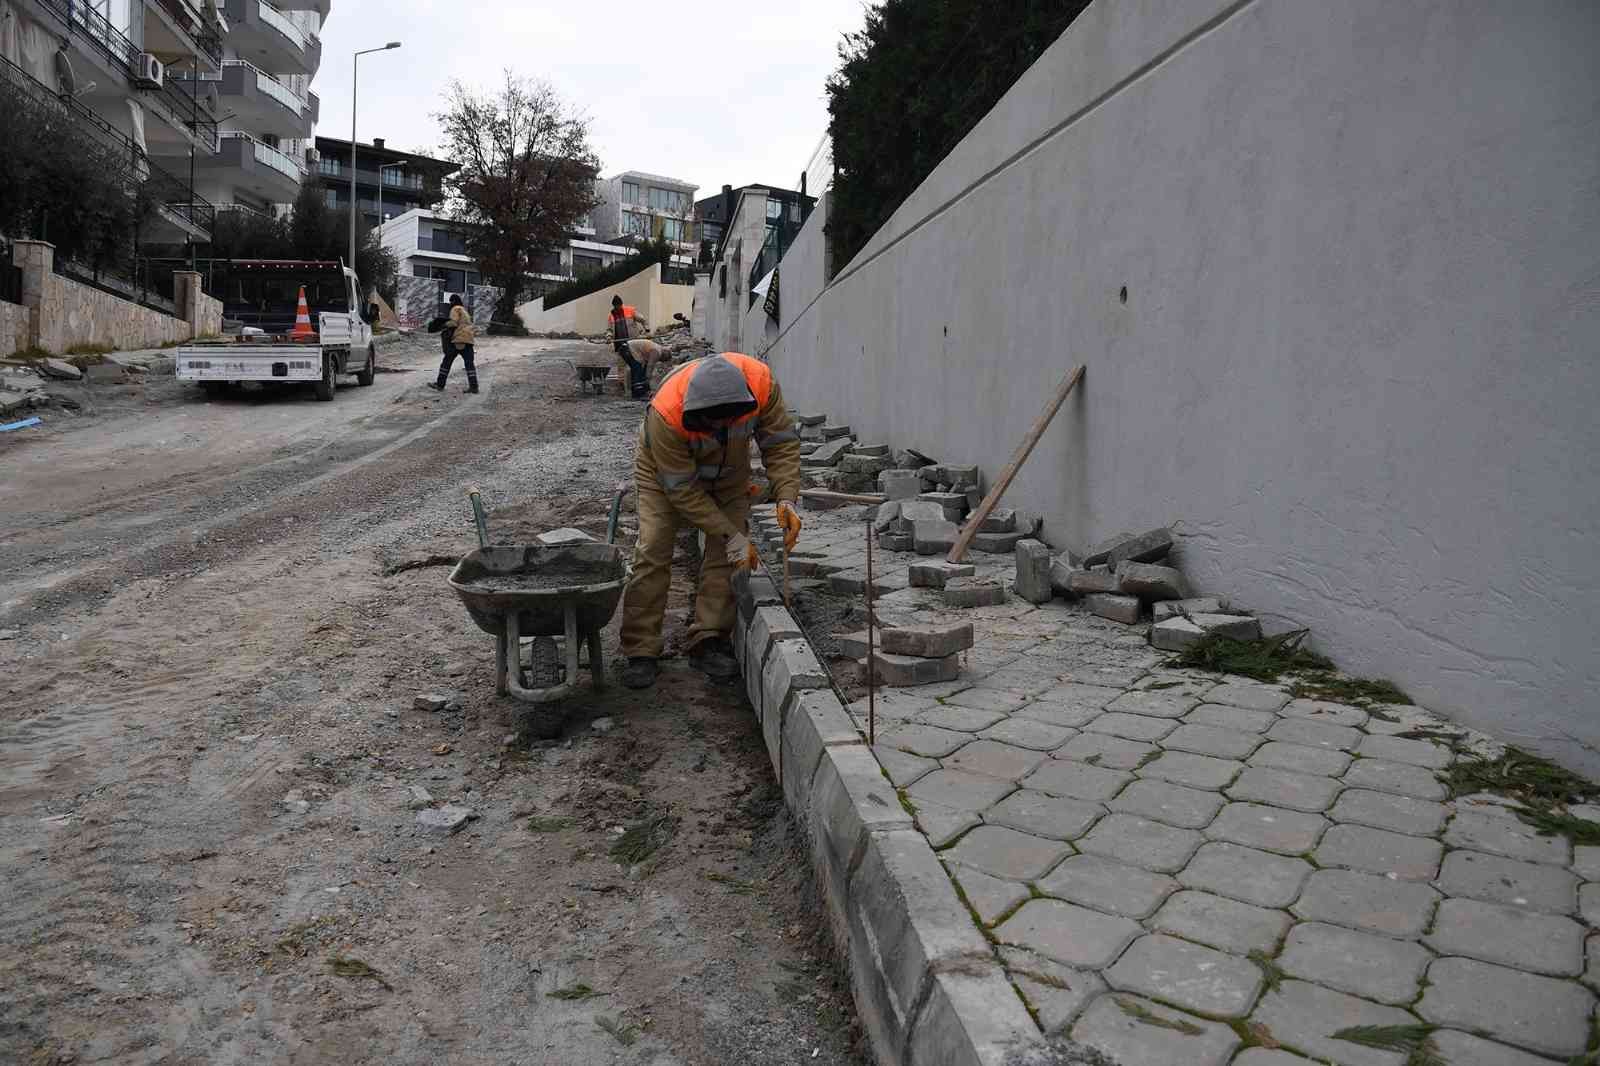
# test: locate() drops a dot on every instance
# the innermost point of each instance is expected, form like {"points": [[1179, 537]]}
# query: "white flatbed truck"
{"points": [[265, 349]]}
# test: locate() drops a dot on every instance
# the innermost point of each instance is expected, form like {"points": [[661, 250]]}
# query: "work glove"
{"points": [[741, 553], [789, 522]]}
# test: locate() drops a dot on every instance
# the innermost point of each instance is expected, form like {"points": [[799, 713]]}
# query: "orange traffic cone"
{"points": [[302, 318]]}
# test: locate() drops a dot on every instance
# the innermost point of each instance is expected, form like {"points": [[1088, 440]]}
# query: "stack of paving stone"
{"points": [[910, 655]]}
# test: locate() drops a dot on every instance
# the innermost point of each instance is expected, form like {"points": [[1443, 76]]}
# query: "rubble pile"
{"points": [[22, 388]]}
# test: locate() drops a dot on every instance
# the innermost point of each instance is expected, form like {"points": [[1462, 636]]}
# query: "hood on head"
{"points": [[717, 390]]}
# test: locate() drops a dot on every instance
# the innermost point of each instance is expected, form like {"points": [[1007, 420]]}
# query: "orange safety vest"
{"points": [[626, 312], [669, 399]]}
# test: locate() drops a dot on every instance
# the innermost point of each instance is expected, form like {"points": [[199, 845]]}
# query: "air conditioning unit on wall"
{"points": [[147, 71]]}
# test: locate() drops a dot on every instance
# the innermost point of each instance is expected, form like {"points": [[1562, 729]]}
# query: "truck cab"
{"points": [[264, 339]]}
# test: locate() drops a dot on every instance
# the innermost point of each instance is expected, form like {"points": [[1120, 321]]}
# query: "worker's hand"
{"points": [[741, 553], [789, 522]]}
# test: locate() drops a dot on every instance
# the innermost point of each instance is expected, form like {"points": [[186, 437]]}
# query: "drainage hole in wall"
{"points": [[1123, 295]]}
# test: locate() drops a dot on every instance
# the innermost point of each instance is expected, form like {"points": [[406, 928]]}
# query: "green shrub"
{"points": [[656, 251]]}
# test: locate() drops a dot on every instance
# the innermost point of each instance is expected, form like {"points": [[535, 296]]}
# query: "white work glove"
{"points": [[741, 553]]}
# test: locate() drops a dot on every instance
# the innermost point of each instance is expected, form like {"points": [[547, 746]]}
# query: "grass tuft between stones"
{"points": [[1539, 785], [1266, 659], [1415, 1039], [1145, 1016]]}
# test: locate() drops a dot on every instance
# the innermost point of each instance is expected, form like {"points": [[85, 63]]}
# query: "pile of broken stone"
{"points": [[25, 384]]}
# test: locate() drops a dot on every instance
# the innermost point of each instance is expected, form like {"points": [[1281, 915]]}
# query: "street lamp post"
{"points": [[355, 205], [381, 169]]}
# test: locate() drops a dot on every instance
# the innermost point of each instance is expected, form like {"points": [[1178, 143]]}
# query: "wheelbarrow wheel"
{"points": [[544, 664]]}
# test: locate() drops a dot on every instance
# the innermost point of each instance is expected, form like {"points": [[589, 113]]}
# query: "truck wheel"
{"points": [[365, 376], [324, 388]]}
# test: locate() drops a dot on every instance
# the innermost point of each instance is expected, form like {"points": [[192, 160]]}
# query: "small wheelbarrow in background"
{"points": [[593, 369], [543, 591]]}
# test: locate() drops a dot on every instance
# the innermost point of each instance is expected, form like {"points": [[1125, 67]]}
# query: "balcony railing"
{"points": [[271, 16], [269, 156], [101, 34], [175, 95], [205, 39]]}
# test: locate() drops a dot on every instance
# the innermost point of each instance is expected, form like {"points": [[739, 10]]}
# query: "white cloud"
{"points": [[712, 92]]}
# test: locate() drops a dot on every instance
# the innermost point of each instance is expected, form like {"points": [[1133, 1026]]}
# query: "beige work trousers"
{"points": [[644, 602]]}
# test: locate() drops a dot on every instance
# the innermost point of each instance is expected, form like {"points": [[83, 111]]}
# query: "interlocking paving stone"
{"points": [[1504, 834], [1460, 1049], [1379, 851], [1397, 749], [1063, 777], [1196, 771], [1139, 1032], [1591, 973], [1178, 683], [1068, 933], [1268, 828], [1373, 967], [1322, 711], [1131, 726], [941, 825], [1108, 886], [892, 705], [1246, 874], [902, 767], [1363, 901], [1027, 733], [1044, 815], [1402, 814], [1249, 697], [1538, 1013], [1224, 717], [1074, 694], [1154, 704], [994, 759], [992, 897], [1100, 749], [1117, 677], [1162, 801], [958, 790], [1220, 922], [1187, 975], [925, 740], [1141, 842], [1586, 860], [1210, 740], [986, 699], [1380, 775], [1282, 788], [1056, 993], [1589, 903], [1316, 734], [1022, 680], [1511, 936], [1502, 880], [1303, 1017], [960, 719], [1058, 714], [1005, 852], [1302, 760]]}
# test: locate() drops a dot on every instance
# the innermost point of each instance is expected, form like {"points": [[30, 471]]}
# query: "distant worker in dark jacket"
{"points": [[458, 339], [626, 325]]}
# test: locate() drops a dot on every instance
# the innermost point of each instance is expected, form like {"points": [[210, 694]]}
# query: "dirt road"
{"points": [[211, 766]]}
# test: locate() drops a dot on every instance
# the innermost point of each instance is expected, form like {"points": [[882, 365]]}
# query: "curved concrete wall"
{"points": [[1359, 357]]}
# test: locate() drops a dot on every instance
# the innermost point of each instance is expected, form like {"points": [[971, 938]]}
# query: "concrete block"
{"points": [[1305, 1016], [1140, 842], [1284, 788], [1236, 626], [1217, 742], [835, 432], [1144, 548], [1099, 554], [906, 671], [59, 369], [1380, 775], [934, 538], [897, 542], [1056, 993], [902, 767], [998, 543], [881, 450], [1001, 851], [1175, 634], [850, 797], [1044, 815], [1400, 814], [1000, 520], [1060, 577], [1268, 828], [1068, 933], [1116, 608], [1187, 975], [1221, 923], [816, 721], [1501, 880], [971, 1017], [929, 641], [973, 592], [1150, 582], [810, 435], [1139, 1032], [1509, 936], [1087, 582], [1162, 801], [1363, 901], [1196, 605], [954, 504], [791, 668], [828, 454], [1033, 571], [995, 759], [810, 419], [918, 510], [1537, 1013], [767, 625], [1247, 875], [754, 589], [1301, 759], [934, 574], [884, 518], [899, 484], [1105, 885], [856, 463], [961, 478], [1378, 851]]}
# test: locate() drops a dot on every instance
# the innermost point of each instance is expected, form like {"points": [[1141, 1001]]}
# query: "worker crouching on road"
{"points": [[626, 325], [458, 338], [693, 468]]}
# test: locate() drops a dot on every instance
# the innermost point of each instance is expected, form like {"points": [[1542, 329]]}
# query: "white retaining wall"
{"points": [[1359, 359]]}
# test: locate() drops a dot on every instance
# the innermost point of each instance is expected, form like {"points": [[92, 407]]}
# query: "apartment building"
{"points": [[387, 180], [786, 210], [636, 206]]}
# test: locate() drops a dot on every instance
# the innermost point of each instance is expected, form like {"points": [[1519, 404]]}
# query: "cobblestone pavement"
{"points": [[1183, 868]]}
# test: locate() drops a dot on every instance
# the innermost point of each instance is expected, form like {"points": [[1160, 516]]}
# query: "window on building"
{"points": [[332, 197], [584, 221], [674, 229], [635, 224], [774, 209], [630, 193], [583, 265], [669, 200]]}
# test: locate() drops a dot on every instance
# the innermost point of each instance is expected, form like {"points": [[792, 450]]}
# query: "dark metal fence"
{"points": [[10, 279]]}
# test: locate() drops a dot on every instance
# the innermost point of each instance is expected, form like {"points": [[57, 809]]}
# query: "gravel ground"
{"points": [[211, 767]]}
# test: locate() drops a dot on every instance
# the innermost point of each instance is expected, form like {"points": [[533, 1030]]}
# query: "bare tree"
{"points": [[526, 176]]}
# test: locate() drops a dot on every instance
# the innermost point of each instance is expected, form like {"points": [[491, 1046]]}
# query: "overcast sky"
{"points": [[710, 91]]}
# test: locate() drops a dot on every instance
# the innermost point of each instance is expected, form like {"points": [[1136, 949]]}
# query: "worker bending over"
{"points": [[646, 354], [693, 468], [626, 325]]}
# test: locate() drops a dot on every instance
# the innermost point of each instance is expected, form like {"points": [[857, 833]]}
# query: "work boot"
{"points": [[436, 386], [471, 389], [640, 672], [714, 658]]}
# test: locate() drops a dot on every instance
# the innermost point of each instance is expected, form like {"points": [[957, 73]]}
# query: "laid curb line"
{"points": [[928, 986]]}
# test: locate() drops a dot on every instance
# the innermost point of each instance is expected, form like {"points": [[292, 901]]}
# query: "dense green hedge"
{"points": [[656, 251], [913, 82]]}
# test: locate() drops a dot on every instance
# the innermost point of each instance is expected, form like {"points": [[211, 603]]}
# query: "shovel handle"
{"points": [[478, 516]]}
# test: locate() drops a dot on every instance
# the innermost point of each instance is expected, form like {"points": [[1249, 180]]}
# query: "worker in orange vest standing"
{"points": [[693, 468], [626, 325]]}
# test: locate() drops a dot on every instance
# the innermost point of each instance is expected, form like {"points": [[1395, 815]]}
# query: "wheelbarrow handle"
{"points": [[478, 516], [616, 512]]}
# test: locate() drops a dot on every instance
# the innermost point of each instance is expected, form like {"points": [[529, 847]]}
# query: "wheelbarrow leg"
{"points": [[511, 649], [500, 663], [596, 664], [572, 642]]}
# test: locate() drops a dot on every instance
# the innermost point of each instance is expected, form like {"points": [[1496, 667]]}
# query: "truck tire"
{"points": [[365, 376], [324, 388]]}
